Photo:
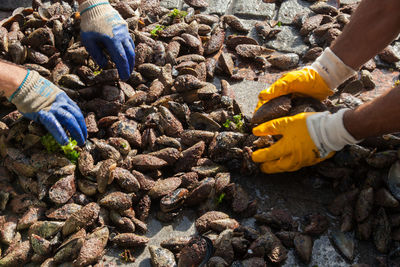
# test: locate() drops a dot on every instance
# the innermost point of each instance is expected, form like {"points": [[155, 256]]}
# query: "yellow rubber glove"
{"points": [[318, 80], [293, 151], [305, 82]]}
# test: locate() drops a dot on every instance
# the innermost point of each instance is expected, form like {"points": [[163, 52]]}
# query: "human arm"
{"points": [[380, 116], [372, 27], [40, 100], [9, 83], [103, 27]]}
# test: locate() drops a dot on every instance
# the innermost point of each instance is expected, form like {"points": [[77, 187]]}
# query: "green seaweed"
{"points": [[220, 198], [69, 151], [156, 31], [176, 13]]}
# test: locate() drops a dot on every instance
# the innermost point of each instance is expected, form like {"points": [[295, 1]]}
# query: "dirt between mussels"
{"points": [[166, 149]]}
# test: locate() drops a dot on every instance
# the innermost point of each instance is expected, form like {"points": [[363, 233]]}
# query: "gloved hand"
{"points": [[43, 102], [102, 26], [307, 139], [318, 80]]}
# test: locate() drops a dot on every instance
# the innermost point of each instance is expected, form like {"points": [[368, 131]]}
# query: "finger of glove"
{"points": [[68, 121], [278, 88], [274, 152], [79, 118], [68, 104], [118, 55], [72, 102], [94, 49], [267, 128], [269, 94], [285, 164], [130, 54], [52, 125]]}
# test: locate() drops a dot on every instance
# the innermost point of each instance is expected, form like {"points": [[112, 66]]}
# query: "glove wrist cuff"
{"points": [[26, 86], [332, 69], [34, 94], [328, 132], [92, 9]]}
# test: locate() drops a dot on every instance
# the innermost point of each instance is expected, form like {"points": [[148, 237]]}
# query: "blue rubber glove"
{"points": [[103, 27], [41, 101]]}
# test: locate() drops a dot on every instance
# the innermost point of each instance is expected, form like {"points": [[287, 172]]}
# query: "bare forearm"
{"points": [[81, 1], [11, 77], [373, 26], [380, 116]]}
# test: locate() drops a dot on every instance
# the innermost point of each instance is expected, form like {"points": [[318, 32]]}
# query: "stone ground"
{"points": [[299, 192]]}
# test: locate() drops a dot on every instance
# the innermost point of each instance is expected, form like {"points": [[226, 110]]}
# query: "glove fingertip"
{"points": [[257, 156], [261, 130], [269, 168], [80, 139], [123, 75], [60, 136]]}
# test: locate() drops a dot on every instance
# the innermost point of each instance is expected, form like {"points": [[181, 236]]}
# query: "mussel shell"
{"points": [[173, 200], [393, 180], [161, 257], [344, 243], [197, 252]]}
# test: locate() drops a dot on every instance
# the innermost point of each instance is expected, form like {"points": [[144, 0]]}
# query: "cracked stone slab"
{"points": [[254, 8], [289, 9], [288, 40], [171, 4]]}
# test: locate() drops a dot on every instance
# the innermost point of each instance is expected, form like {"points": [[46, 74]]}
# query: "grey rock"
{"points": [[13, 4], [288, 40], [219, 7], [171, 4], [396, 48], [349, 2], [289, 9], [4, 14], [246, 93], [254, 8], [367, 80]]}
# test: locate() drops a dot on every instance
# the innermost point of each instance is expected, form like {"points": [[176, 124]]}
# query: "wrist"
{"points": [[99, 16], [328, 132], [34, 94], [332, 69], [17, 83], [92, 6]]}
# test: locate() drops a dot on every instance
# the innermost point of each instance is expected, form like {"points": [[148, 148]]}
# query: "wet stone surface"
{"points": [[290, 9], [171, 4], [288, 40], [219, 7], [254, 8]]}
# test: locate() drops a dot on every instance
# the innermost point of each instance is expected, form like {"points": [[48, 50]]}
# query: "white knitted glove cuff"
{"points": [[99, 16], [332, 69], [34, 94], [94, 8], [328, 132]]}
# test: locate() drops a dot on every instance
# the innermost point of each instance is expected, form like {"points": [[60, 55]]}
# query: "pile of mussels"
{"points": [[166, 139]]}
